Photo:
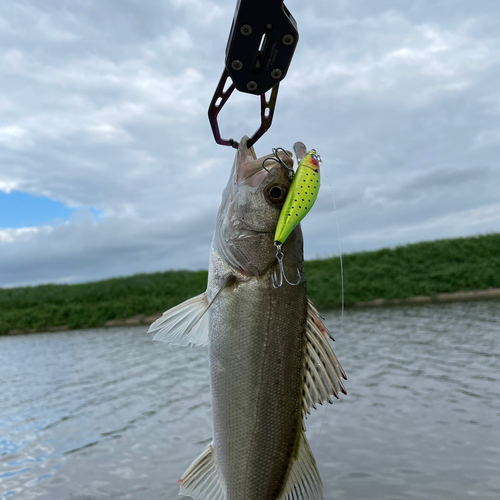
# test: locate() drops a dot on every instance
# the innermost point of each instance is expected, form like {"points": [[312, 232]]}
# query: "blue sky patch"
{"points": [[18, 209]]}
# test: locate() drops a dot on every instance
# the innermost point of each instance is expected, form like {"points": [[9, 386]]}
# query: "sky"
{"points": [[108, 166]]}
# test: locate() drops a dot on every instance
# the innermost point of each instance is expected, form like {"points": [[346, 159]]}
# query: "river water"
{"points": [[108, 414]]}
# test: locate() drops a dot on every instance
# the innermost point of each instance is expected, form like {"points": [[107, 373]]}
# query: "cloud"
{"points": [[14, 136], [179, 41], [201, 11], [487, 138], [7, 186], [42, 24], [405, 63], [104, 105], [18, 235], [86, 248]]}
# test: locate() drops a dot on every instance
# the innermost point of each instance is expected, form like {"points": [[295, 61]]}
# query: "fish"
{"points": [[269, 356]]}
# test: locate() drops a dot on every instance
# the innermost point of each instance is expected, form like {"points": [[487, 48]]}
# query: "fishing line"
{"points": [[342, 290], [340, 252]]}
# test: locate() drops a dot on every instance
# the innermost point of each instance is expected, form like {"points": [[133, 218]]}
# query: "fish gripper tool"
{"points": [[259, 51]]}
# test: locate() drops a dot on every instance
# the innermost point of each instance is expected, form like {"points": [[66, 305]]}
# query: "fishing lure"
{"points": [[298, 203], [301, 196]]}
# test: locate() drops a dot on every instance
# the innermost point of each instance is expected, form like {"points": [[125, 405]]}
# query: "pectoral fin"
{"points": [[201, 480], [322, 371], [186, 323], [304, 481]]}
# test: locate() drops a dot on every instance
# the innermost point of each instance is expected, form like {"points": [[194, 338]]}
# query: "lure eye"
{"points": [[276, 194]]}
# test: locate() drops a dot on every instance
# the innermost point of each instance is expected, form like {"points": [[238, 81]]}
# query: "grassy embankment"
{"points": [[426, 268]]}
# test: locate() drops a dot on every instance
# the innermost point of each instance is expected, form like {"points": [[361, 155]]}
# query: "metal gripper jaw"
{"points": [[258, 54]]}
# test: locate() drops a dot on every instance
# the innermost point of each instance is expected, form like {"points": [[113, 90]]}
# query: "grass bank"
{"points": [[427, 268]]}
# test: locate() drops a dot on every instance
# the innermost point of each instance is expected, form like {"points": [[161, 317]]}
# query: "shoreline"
{"points": [[418, 273], [146, 320], [490, 293]]}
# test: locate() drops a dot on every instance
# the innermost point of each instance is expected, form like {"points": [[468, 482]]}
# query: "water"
{"points": [[107, 414]]}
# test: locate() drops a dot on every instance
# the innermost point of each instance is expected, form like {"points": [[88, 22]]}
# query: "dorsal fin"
{"points": [[322, 371]]}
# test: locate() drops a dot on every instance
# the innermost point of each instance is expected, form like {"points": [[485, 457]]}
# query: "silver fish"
{"points": [[270, 360]]}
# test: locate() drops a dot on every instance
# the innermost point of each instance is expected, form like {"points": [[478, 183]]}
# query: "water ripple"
{"points": [[110, 414]]}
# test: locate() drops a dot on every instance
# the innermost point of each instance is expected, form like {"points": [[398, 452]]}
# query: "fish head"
{"points": [[250, 210]]}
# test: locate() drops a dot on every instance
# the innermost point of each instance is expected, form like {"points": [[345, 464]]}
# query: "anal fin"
{"points": [[201, 480], [304, 481]]}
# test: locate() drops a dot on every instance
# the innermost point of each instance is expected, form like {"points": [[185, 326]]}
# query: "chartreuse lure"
{"points": [[301, 196]]}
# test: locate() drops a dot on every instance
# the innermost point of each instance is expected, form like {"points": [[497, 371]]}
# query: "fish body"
{"points": [[269, 356], [256, 343]]}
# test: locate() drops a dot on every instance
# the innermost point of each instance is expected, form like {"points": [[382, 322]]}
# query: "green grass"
{"points": [[426, 268], [91, 304]]}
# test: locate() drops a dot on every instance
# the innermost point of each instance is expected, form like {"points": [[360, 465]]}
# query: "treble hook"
{"points": [[276, 150], [278, 282], [288, 169]]}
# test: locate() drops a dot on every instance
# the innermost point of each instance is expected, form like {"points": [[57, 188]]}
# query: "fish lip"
{"points": [[269, 168], [253, 172]]}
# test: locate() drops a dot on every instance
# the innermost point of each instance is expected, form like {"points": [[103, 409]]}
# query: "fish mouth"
{"points": [[247, 233], [249, 174], [269, 167]]}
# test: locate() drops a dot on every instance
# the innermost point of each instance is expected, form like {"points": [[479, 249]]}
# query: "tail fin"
{"points": [[304, 481]]}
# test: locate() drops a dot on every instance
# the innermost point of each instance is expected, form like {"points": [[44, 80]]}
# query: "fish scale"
{"points": [[256, 375]]}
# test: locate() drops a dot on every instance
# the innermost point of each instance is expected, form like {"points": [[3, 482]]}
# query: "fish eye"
{"points": [[276, 194]]}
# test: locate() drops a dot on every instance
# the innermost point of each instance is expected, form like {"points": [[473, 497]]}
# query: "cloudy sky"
{"points": [[107, 162]]}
